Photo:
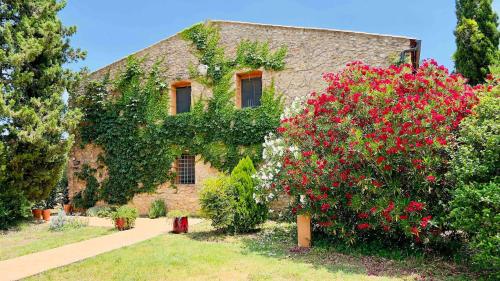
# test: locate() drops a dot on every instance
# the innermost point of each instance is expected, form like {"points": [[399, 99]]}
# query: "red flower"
{"points": [[425, 220], [403, 217], [431, 178], [363, 215], [380, 159], [362, 226], [414, 206], [307, 153], [415, 231], [325, 207]]}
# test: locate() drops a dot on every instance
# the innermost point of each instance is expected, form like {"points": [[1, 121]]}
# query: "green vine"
{"points": [[141, 140], [90, 195]]}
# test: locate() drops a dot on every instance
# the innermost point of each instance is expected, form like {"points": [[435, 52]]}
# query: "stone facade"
{"points": [[311, 52]]}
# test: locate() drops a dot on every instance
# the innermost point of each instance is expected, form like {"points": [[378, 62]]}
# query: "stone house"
{"points": [[311, 52]]}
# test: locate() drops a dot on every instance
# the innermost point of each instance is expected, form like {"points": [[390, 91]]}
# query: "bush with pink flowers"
{"points": [[368, 154]]}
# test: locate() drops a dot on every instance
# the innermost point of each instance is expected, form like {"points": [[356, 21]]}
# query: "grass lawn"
{"points": [[35, 237], [268, 255]]}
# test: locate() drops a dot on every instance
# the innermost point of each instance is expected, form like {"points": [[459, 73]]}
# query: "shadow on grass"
{"points": [[278, 240]]}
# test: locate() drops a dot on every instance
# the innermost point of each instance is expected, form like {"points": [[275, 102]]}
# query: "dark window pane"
{"points": [[251, 92], [185, 169], [183, 99]]}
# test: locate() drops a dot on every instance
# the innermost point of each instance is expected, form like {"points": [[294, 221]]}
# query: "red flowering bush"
{"points": [[369, 152]]}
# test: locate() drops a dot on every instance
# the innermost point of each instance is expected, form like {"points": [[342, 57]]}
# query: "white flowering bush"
{"points": [[272, 157]]}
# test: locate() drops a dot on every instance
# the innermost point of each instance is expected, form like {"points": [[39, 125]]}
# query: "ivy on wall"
{"points": [[128, 117]]}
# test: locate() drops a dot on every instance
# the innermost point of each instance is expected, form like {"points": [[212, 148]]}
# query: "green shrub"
{"points": [[475, 206], [128, 213], [476, 210], [157, 209], [101, 211], [217, 202], [229, 201], [63, 222], [14, 207]]}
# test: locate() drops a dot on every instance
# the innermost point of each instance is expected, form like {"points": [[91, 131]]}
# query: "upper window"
{"points": [[250, 89], [182, 99], [185, 169]]}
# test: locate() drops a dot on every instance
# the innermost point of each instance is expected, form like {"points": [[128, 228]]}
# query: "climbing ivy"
{"points": [[87, 197], [128, 117]]}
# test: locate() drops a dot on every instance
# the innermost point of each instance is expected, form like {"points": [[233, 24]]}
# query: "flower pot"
{"points": [[121, 224], [46, 214], [304, 231], [67, 209], [180, 225], [37, 214]]}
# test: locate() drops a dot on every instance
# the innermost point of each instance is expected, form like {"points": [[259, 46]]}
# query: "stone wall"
{"points": [[311, 52]]}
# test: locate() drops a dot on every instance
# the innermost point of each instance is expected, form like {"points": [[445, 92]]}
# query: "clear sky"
{"points": [[111, 29]]}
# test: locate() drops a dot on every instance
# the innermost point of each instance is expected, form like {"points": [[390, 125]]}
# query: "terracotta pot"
{"points": [[180, 225], [37, 214], [121, 224], [304, 231], [46, 214], [67, 209]]}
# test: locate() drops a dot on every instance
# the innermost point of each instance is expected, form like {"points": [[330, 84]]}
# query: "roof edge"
{"points": [[310, 28]]}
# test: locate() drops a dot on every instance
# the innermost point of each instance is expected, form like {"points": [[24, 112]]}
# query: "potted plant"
{"points": [[180, 221], [124, 217], [37, 210]]}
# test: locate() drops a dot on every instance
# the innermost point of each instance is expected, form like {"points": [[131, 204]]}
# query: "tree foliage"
{"points": [[33, 117], [477, 39]]}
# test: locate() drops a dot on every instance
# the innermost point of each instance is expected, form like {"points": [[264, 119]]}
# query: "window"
{"points": [[182, 99], [250, 89], [185, 169]]}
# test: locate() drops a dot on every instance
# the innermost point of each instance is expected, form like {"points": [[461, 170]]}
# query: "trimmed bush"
{"points": [[368, 154], [157, 209], [229, 200], [217, 201]]}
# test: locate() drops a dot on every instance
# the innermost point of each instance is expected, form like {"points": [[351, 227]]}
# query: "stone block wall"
{"points": [[311, 52]]}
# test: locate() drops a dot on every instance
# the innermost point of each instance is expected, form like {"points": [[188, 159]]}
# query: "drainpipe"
{"points": [[414, 51]]}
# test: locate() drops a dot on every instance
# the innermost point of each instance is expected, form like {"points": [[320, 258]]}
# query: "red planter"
{"points": [[120, 224], [37, 214], [46, 215], [180, 225], [67, 209]]}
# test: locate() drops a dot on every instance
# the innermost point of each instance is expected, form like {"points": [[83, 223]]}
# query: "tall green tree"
{"points": [[477, 39], [34, 121]]}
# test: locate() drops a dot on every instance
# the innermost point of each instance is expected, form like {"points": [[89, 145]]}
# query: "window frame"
{"points": [[173, 97], [243, 76], [191, 179]]}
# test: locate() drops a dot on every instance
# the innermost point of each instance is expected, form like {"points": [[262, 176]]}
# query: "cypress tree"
{"points": [[34, 121], [477, 39]]}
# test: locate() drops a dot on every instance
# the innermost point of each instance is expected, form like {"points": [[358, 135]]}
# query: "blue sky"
{"points": [[111, 29]]}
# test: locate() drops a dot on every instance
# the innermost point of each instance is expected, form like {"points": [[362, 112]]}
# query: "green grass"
{"points": [[204, 254], [35, 237]]}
